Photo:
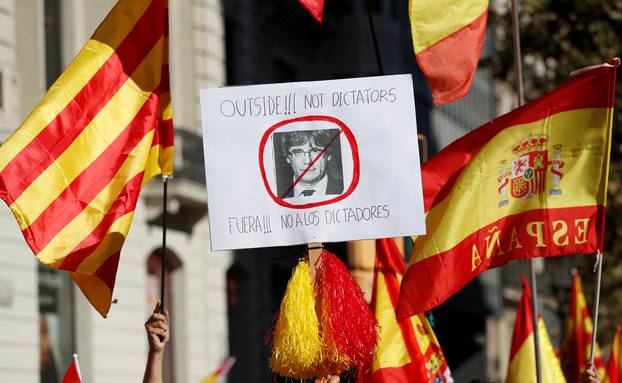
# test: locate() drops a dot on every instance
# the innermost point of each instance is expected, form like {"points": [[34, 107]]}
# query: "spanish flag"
{"points": [[72, 172], [531, 183], [522, 367], [577, 344], [448, 36], [407, 351], [614, 365]]}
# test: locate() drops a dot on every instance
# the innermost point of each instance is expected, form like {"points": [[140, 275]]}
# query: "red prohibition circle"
{"points": [[355, 160]]}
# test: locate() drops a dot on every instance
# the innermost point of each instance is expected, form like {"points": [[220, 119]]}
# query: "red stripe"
{"points": [[165, 134], [450, 64], [440, 173], [429, 282], [523, 326], [402, 374], [417, 362], [165, 82], [74, 199], [124, 204], [390, 259], [107, 272], [52, 141]]}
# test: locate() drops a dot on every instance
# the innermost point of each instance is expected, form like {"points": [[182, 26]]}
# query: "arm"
{"points": [[158, 335]]}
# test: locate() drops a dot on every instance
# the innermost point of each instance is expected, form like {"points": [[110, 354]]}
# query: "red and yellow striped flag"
{"points": [[522, 367], [72, 172], [614, 365], [531, 183], [448, 36], [407, 351], [577, 345]]}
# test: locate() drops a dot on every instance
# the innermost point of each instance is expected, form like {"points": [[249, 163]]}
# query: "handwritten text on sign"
{"points": [[308, 162]]}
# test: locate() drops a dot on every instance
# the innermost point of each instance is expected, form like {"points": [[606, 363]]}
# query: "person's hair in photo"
{"points": [[308, 163]]}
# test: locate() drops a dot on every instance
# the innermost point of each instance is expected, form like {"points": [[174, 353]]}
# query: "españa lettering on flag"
{"points": [[448, 36], [577, 341], [614, 365], [407, 351], [522, 366], [531, 183], [72, 172]]}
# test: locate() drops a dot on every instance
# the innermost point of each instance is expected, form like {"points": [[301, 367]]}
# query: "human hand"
{"points": [[157, 330], [328, 379], [589, 375]]}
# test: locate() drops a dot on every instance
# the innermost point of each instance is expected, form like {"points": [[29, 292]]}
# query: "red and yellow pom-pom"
{"points": [[346, 319], [297, 348], [323, 328]]}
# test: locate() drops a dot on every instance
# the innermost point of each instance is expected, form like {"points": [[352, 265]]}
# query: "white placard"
{"points": [[321, 161]]}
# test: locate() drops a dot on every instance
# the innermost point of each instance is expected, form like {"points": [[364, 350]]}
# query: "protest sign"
{"points": [[304, 162]]}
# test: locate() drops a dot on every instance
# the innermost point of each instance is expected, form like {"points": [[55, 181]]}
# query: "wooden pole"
{"points": [[314, 250]]}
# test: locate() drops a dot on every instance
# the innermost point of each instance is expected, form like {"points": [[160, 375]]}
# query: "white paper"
{"points": [[321, 161]]}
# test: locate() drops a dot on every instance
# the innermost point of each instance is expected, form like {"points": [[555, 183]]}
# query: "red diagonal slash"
{"points": [[320, 154]]}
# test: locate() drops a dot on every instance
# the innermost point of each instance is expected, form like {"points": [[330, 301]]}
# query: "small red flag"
{"points": [[315, 7], [614, 366], [575, 351], [73, 372]]}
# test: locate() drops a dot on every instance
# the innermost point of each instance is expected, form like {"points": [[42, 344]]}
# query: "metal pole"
{"points": [[373, 35], [521, 100], [163, 249], [598, 267], [534, 308], [517, 55]]}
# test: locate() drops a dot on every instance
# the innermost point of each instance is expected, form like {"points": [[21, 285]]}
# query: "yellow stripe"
{"points": [[93, 141], [472, 203], [111, 244], [84, 223], [522, 366], [391, 349], [93, 55], [95, 290], [156, 156], [165, 101], [120, 21], [609, 123], [433, 20]]}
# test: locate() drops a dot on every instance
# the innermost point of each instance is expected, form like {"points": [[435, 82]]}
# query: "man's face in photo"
{"points": [[301, 156]]}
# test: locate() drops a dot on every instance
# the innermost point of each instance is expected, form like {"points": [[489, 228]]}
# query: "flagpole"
{"points": [[374, 38], [163, 248], [521, 100], [598, 267], [534, 308]]}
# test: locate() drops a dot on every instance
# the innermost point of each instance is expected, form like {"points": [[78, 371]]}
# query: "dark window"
{"points": [[56, 338], [53, 64]]}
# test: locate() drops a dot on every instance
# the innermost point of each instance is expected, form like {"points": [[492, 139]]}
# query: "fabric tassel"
{"points": [[297, 349], [346, 320]]}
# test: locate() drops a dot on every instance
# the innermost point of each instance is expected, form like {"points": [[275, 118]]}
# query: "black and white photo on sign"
{"points": [[308, 163]]}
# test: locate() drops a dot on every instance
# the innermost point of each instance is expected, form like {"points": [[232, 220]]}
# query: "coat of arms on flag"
{"points": [[530, 169]]}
